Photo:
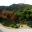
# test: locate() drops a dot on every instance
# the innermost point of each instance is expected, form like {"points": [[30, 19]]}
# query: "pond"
{"points": [[1, 31]]}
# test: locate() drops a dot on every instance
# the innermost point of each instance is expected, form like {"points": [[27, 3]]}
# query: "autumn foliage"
{"points": [[6, 15]]}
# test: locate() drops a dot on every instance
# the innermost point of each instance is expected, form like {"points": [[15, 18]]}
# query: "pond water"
{"points": [[1, 31]]}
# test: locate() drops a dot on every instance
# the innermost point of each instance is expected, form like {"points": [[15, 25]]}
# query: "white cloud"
{"points": [[28, 1], [4, 2], [9, 2]]}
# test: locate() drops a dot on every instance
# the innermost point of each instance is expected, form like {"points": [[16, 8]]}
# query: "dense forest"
{"points": [[16, 14]]}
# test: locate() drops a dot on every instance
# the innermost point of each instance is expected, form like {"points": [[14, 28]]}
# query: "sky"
{"points": [[10, 2]]}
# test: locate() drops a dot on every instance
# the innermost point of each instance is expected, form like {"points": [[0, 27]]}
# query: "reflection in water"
{"points": [[1, 31]]}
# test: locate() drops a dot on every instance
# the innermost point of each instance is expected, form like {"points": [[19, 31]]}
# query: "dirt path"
{"points": [[15, 30]]}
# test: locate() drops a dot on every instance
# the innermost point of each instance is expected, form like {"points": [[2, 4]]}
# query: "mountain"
{"points": [[15, 7]]}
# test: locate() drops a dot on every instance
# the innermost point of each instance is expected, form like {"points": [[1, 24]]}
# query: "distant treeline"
{"points": [[23, 11], [14, 7]]}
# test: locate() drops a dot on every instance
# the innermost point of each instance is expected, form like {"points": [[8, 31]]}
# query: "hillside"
{"points": [[16, 14]]}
